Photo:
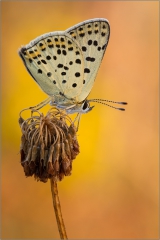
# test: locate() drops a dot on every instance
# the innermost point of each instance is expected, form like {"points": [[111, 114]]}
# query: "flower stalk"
{"points": [[57, 209]]}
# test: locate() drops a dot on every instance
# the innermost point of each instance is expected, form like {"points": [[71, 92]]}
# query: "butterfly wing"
{"points": [[67, 62], [92, 37], [55, 62]]}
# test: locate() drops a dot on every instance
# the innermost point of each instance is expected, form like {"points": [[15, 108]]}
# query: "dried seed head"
{"points": [[48, 145]]}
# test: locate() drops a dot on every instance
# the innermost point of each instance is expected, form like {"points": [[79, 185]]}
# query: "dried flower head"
{"points": [[48, 145]]}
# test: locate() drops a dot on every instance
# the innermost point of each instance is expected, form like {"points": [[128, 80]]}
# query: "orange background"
{"points": [[113, 190]]}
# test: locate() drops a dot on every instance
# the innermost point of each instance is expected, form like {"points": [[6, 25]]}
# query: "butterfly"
{"points": [[65, 64]]}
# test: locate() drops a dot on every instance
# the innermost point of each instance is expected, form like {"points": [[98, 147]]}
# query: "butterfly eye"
{"points": [[85, 105]]}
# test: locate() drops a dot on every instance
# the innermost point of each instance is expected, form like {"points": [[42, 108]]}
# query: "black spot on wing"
{"points": [[48, 57], [70, 49], [84, 49], [89, 42], [78, 61], [39, 71], [77, 74], [103, 34], [66, 68], [49, 74], [74, 85], [60, 65], [59, 51], [64, 52], [43, 61], [90, 59], [95, 43], [86, 70], [82, 34], [50, 45]]}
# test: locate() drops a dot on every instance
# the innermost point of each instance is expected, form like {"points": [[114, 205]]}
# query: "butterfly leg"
{"points": [[77, 118], [41, 104], [38, 106]]}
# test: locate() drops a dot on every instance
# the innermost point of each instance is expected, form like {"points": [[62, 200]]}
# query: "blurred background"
{"points": [[113, 190]]}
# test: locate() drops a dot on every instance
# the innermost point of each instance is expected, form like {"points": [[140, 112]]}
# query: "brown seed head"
{"points": [[48, 145]]}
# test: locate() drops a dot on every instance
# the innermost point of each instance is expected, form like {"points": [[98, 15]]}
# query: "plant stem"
{"points": [[57, 209]]}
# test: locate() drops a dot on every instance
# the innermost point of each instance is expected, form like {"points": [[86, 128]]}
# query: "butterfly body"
{"points": [[65, 63]]}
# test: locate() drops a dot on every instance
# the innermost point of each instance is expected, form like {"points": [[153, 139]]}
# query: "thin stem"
{"points": [[57, 209]]}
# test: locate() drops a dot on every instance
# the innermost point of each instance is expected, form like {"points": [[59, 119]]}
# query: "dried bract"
{"points": [[48, 145]]}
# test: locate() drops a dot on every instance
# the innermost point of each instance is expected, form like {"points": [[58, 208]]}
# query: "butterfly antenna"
{"points": [[102, 101]]}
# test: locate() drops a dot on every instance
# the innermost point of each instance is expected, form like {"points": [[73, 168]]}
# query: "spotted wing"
{"points": [[92, 37], [55, 62]]}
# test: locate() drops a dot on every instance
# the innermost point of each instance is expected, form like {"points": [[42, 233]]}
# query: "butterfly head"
{"points": [[83, 107], [86, 106]]}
